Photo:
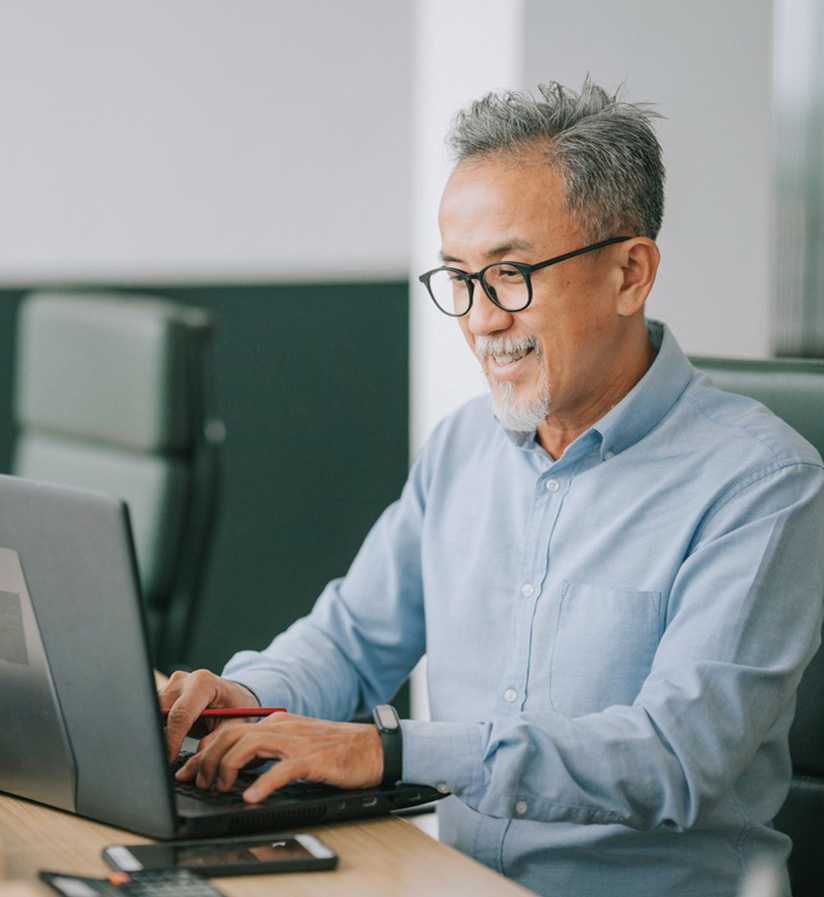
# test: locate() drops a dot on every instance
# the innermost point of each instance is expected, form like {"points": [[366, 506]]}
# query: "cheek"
{"points": [[560, 354], [467, 334]]}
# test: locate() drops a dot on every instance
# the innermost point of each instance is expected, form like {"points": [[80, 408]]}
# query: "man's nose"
{"points": [[485, 317]]}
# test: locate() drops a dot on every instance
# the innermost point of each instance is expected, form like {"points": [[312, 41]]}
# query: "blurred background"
{"points": [[279, 163]]}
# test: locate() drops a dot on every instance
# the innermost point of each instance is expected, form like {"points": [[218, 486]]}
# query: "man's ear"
{"points": [[639, 258]]}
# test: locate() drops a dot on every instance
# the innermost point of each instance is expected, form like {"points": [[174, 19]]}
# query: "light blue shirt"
{"points": [[614, 639]]}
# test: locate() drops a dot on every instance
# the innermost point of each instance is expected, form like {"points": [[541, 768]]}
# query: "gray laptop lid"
{"points": [[74, 670], [37, 756]]}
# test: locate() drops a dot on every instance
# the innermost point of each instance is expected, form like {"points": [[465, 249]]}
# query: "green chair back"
{"points": [[113, 393]]}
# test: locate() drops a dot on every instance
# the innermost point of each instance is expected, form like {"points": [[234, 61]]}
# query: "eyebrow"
{"points": [[495, 252]]}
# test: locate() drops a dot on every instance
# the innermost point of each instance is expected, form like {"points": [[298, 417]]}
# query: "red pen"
{"points": [[235, 712]]}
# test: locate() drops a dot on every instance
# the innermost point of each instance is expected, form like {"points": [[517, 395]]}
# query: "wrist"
{"points": [[243, 696]]}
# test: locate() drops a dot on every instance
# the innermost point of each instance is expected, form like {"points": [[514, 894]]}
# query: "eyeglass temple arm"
{"points": [[570, 255]]}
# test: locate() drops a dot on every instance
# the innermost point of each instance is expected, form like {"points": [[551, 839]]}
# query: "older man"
{"points": [[615, 571]]}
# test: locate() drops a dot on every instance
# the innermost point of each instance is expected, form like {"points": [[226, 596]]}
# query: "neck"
{"points": [[561, 429]]}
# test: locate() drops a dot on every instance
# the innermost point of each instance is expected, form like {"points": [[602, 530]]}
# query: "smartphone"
{"points": [[226, 856]]}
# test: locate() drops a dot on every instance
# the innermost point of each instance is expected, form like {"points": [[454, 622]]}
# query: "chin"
{"points": [[522, 415]]}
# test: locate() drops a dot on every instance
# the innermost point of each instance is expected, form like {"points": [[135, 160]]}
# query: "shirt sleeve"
{"points": [[743, 619], [365, 633]]}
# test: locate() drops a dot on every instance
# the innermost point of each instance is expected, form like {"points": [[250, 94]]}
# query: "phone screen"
{"points": [[225, 856], [272, 850]]}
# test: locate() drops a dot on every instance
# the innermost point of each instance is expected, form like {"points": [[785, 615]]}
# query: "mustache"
{"points": [[487, 346]]}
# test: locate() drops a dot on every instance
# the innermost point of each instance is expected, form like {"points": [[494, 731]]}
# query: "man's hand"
{"points": [[349, 755], [185, 695]]}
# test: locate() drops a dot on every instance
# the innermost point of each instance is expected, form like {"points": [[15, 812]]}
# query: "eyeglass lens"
{"points": [[504, 284]]}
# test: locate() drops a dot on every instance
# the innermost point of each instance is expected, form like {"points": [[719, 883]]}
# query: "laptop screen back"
{"points": [[36, 756], [74, 668]]}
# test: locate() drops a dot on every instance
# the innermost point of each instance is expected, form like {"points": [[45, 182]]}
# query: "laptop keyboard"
{"points": [[234, 796]]}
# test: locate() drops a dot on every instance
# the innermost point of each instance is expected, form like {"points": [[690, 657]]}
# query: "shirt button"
{"points": [[521, 807], [527, 589], [510, 695], [552, 485], [442, 788], [608, 455]]}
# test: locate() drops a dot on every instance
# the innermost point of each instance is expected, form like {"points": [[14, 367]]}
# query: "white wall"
{"points": [[204, 140], [707, 66]]}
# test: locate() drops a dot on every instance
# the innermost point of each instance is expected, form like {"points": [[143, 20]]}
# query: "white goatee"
{"points": [[525, 416]]}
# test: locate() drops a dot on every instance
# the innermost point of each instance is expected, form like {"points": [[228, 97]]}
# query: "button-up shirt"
{"points": [[614, 639]]}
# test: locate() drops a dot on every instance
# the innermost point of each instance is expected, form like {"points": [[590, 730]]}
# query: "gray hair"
{"points": [[605, 148]]}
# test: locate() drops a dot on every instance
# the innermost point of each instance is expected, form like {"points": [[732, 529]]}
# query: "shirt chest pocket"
{"points": [[604, 645]]}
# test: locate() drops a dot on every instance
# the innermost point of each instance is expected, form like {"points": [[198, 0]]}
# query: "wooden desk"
{"points": [[378, 858]]}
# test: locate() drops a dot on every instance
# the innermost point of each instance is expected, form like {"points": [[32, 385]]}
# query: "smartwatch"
{"points": [[389, 728]]}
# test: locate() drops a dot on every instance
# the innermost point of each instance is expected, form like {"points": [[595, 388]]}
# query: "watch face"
{"points": [[387, 718]]}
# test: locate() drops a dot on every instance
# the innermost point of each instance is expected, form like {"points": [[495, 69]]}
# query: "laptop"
{"points": [[81, 725]]}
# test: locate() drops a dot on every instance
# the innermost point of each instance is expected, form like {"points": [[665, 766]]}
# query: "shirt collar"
{"points": [[643, 406], [649, 401]]}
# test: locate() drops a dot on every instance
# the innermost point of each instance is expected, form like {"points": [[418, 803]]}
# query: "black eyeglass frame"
{"points": [[524, 269]]}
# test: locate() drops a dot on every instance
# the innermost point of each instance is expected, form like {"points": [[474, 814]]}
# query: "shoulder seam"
{"points": [[721, 423], [737, 486]]}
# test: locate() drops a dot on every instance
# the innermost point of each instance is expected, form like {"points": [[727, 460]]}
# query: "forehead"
{"points": [[493, 204]]}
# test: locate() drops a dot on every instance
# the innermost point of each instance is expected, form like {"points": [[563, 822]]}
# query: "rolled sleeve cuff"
{"points": [[446, 756], [271, 689]]}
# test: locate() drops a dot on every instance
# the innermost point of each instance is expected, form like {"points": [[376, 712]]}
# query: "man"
{"points": [[617, 583]]}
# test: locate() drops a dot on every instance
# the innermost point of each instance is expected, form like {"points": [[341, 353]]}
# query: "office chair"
{"points": [[115, 393], [794, 390]]}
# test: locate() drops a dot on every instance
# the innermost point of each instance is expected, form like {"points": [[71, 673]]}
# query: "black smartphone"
{"points": [[226, 856]]}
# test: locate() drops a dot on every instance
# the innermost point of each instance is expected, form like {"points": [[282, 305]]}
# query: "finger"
{"points": [[192, 693], [252, 747], [179, 723], [208, 764], [168, 693], [212, 752], [275, 777], [189, 769]]}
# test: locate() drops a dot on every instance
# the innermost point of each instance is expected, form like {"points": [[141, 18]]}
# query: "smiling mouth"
{"points": [[504, 353], [510, 357]]}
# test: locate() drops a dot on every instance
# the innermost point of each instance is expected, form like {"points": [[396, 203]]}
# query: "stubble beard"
{"points": [[523, 416]]}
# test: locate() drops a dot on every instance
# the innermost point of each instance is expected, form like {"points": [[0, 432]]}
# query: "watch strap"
{"points": [[388, 725]]}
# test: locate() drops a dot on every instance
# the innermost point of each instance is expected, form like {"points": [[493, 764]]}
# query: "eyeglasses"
{"points": [[507, 284]]}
